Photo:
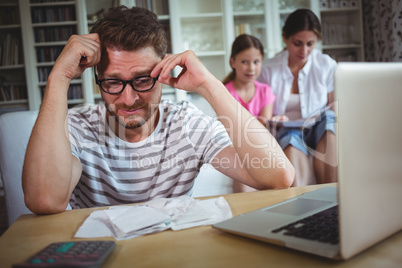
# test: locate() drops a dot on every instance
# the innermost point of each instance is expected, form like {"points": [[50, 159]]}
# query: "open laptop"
{"points": [[369, 193]]}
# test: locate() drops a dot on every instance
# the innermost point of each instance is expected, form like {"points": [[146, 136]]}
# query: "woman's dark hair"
{"points": [[301, 20], [243, 42], [130, 29]]}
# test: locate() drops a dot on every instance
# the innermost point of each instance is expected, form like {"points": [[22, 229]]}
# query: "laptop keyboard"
{"points": [[322, 227]]}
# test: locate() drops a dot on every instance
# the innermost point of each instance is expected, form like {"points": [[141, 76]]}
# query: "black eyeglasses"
{"points": [[116, 86]]}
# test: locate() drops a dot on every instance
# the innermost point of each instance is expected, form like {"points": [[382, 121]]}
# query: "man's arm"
{"points": [[255, 159], [50, 171]]}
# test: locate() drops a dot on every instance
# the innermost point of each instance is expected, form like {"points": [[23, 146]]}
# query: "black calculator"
{"points": [[71, 254]]}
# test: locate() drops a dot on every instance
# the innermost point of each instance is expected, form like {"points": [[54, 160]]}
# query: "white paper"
{"points": [[123, 222], [136, 218], [206, 212]]}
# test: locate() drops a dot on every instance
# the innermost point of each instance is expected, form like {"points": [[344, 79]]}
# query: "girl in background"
{"points": [[301, 78], [246, 60]]}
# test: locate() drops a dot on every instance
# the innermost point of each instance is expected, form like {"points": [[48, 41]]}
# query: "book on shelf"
{"points": [[242, 28], [9, 15], [13, 91], [43, 73], [10, 50], [95, 87], [48, 54], [74, 92], [144, 3], [53, 14], [54, 34], [47, 1], [3, 96], [159, 7]]}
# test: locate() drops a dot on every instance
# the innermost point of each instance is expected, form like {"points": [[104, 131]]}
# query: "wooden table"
{"points": [[197, 247]]}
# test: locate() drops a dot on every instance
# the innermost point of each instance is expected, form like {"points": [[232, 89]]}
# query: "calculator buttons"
{"points": [[71, 254]]}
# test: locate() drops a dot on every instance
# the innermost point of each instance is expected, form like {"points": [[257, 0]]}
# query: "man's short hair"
{"points": [[130, 29]]}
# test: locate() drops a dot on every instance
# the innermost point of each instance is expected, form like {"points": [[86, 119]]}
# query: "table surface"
{"points": [[196, 247]]}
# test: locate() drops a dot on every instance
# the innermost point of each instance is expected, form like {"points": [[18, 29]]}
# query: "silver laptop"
{"points": [[366, 203]]}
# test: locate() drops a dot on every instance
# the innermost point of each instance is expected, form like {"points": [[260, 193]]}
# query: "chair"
{"points": [[211, 182], [15, 130]]}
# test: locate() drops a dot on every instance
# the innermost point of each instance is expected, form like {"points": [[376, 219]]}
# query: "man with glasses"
{"points": [[135, 147]]}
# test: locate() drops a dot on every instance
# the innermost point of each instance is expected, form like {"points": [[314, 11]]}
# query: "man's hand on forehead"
{"points": [[192, 77]]}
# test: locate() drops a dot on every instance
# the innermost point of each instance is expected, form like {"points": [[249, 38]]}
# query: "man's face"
{"points": [[131, 109]]}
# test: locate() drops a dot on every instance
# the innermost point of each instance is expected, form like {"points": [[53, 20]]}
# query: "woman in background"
{"points": [[301, 78], [246, 60]]}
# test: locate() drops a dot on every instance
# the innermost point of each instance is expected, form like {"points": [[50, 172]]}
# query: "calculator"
{"points": [[71, 254]]}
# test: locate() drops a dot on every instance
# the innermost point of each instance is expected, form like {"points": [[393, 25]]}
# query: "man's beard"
{"points": [[134, 121]]}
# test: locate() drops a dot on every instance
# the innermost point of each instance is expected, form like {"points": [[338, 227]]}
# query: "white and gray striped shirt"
{"points": [[163, 165]]}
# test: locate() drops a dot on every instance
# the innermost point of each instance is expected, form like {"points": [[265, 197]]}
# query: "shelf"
{"points": [[196, 7], [12, 67], [13, 88], [54, 24], [285, 11], [163, 17], [45, 64], [49, 4], [50, 44], [247, 13], [207, 27], [10, 26], [343, 32], [341, 46], [12, 102], [9, 4], [201, 16], [76, 82], [339, 9], [73, 82], [210, 53], [75, 101]]}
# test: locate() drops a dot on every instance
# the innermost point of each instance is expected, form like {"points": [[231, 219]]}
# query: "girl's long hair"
{"points": [[242, 42]]}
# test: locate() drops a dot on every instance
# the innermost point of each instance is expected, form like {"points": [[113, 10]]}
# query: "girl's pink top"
{"points": [[263, 96]]}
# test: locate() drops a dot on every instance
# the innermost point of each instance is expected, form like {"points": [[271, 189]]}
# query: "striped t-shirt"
{"points": [[163, 165]]}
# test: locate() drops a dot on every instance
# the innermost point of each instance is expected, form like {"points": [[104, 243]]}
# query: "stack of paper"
{"points": [[122, 222]]}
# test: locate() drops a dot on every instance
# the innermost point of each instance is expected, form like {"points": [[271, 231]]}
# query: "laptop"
{"points": [[366, 203]]}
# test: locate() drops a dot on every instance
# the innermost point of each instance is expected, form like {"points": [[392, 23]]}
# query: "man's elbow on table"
{"points": [[43, 201], [44, 204], [288, 176], [282, 178]]}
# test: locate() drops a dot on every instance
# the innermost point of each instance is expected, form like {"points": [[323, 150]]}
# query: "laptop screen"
{"points": [[368, 104]]}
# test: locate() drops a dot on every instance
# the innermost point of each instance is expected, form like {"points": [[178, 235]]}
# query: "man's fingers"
{"points": [[166, 66]]}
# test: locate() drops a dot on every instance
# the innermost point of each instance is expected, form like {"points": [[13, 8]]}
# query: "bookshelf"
{"points": [[248, 17], [13, 86], [342, 29], [342, 25], [37, 30], [200, 26], [92, 10], [46, 27], [51, 24]]}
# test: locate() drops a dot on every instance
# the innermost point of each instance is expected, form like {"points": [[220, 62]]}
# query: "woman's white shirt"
{"points": [[316, 80]]}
